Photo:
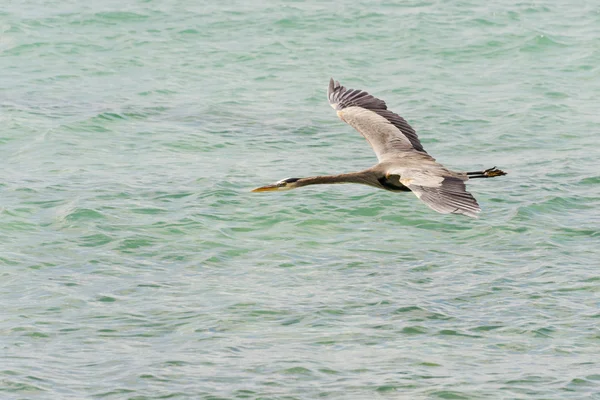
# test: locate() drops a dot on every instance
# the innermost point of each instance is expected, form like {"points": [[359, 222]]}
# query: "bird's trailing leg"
{"points": [[488, 173]]}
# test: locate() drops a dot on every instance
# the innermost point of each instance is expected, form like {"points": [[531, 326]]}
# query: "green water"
{"points": [[136, 264]]}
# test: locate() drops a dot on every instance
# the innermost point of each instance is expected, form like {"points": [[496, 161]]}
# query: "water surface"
{"points": [[136, 264]]}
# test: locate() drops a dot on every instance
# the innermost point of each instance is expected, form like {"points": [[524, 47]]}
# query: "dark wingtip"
{"points": [[331, 87], [334, 91]]}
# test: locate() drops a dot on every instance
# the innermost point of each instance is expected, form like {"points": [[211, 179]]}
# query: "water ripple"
{"points": [[136, 263]]}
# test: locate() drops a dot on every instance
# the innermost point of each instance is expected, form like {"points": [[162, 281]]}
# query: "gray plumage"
{"points": [[340, 98], [403, 163]]}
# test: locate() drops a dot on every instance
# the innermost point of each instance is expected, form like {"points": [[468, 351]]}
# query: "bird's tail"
{"points": [[488, 173]]}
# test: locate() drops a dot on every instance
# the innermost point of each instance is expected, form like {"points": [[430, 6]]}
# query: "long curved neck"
{"points": [[362, 177]]}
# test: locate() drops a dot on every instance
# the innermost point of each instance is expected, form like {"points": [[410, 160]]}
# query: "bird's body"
{"points": [[403, 163]]}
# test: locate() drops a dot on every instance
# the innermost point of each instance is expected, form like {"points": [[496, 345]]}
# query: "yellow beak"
{"points": [[268, 188]]}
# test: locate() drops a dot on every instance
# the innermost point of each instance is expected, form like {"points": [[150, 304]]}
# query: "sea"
{"points": [[136, 263]]}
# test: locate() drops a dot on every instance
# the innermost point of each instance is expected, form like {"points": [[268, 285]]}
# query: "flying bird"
{"points": [[404, 166]]}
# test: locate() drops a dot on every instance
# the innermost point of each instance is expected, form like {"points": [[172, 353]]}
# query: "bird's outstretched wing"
{"points": [[400, 152], [388, 133], [442, 190]]}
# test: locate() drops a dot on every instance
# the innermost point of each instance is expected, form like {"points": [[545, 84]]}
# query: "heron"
{"points": [[404, 166]]}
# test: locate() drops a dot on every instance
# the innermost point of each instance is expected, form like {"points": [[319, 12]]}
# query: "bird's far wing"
{"points": [[438, 188], [388, 133]]}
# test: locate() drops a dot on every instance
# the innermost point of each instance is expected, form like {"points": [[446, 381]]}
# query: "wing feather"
{"points": [[388, 133], [442, 190], [340, 98], [449, 197]]}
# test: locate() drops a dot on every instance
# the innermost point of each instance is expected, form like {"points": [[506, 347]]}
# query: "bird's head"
{"points": [[284, 184]]}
